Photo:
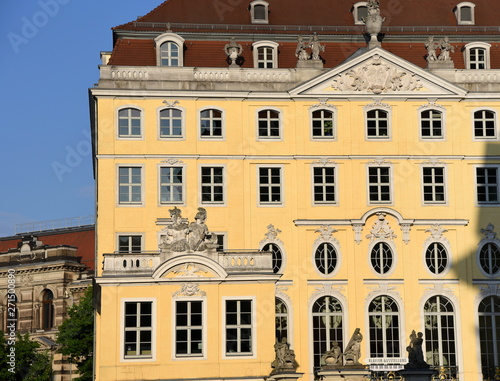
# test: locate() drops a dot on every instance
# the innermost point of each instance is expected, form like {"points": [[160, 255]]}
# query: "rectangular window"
{"points": [[211, 123], [129, 244], [189, 328], [171, 185], [322, 124], [324, 185], [265, 57], [239, 327], [269, 124], [130, 185], [170, 123], [484, 124], [434, 186], [212, 185], [129, 123], [221, 241], [138, 329], [270, 185], [379, 185], [487, 185]]}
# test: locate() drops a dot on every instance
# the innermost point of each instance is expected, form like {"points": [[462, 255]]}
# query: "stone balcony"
{"points": [[145, 263]]}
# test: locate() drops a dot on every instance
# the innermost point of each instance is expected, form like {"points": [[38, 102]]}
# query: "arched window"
{"points": [[377, 124], [281, 316], [489, 259], [47, 309], [436, 258], [169, 50], [269, 124], [489, 335], [440, 340], [464, 12], [485, 124], [325, 258], [265, 54], [277, 256], [477, 55], [171, 123], [431, 124], [211, 123], [384, 324], [259, 12], [129, 123], [381, 258], [359, 11], [323, 126], [327, 319]]}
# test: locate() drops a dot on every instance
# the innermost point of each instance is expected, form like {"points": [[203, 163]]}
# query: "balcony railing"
{"points": [[145, 263]]}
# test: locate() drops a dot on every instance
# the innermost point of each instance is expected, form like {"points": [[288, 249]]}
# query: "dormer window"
{"points": [[265, 54], [359, 11], [169, 50], [464, 12], [477, 55], [259, 10]]}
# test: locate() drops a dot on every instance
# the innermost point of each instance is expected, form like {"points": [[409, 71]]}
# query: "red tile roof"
{"points": [[314, 12], [134, 52], [83, 240]]}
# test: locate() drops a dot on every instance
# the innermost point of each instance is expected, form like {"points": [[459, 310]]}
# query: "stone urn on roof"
{"points": [[373, 22]]}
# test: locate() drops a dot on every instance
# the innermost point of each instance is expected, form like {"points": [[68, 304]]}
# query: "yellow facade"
{"points": [[406, 223]]}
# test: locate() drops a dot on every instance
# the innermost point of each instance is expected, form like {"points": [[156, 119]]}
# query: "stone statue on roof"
{"points": [[316, 47], [233, 51], [446, 47], [431, 47], [301, 52]]}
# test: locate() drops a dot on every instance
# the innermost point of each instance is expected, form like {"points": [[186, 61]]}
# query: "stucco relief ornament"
{"points": [[489, 233], [271, 235], [377, 77], [233, 51], [189, 270], [436, 234], [381, 229], [189, 289]]}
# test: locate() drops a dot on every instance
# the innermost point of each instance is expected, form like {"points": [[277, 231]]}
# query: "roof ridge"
{"points": [[146, 15]]}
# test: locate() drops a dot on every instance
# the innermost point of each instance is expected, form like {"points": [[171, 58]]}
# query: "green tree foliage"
{"points": [[76, 336], [29, 364]]}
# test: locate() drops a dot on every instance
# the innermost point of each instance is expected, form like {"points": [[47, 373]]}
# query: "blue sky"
{"points": [[48, 59]]}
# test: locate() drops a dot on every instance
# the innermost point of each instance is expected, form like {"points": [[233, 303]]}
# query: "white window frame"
{"points": [[495, 242], [495, 119], [490, 316], [392, 248], [129, 203], [281, 203], [261, 44], [448, 257], [335, 182], [434, 185], [401, 321], [128, 234], [280, 121], [439, 321], [476, 185], [477, 45], [252, 12], [437, 108], [223, 184], [254, 326], [223, 124], [358, 20], [205, 328], [142, 121], [391, 184], [336, 246], [182, 136], [169, 37], [184, 180], [152, 358], [380, 107], [458, 13], [331, 109]]}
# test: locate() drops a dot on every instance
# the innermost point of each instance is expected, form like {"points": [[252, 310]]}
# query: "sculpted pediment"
{"points": [[190, 270], [378, 72]]}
